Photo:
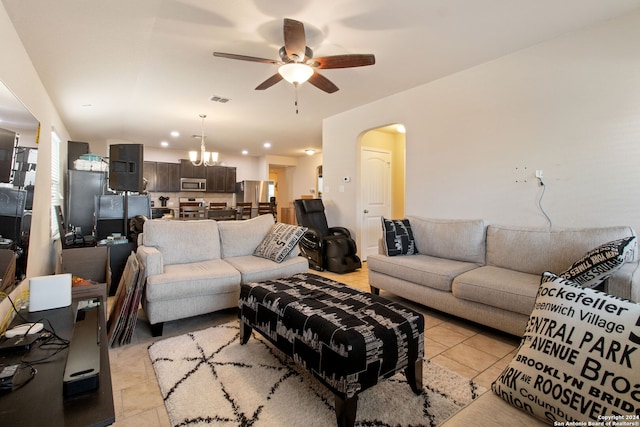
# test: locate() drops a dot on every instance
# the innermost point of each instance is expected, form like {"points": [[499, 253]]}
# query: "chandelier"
{"points": [[206, 158]]}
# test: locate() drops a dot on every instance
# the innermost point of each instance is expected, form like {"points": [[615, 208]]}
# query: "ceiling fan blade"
{"points": [[245, 58], [322, 83], [295, 42], [344, 61], [269, 82]]}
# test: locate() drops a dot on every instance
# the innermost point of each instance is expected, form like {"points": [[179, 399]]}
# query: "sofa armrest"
{"points": [[152, 260], [625, 282], [633, 269]]}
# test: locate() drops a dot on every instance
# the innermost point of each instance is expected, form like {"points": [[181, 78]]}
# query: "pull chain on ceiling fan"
{"points": [[297, 64]]}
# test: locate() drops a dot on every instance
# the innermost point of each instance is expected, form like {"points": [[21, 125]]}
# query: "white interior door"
{"points": [[376, 197]]}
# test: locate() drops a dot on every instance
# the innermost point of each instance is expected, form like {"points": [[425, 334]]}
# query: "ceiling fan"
{"points": [[297, 63]]}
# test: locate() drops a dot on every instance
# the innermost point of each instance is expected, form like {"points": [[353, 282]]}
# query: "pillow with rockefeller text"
{"points": [[277, 244], [600, 263], [579, 358], [398, 237]]}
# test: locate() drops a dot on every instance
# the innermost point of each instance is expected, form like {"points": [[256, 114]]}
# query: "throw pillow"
{"points": [[277, 244], [579, 358], [398, 237], [600, 263]]}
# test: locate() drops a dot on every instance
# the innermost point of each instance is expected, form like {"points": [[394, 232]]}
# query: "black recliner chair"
{"points": [[330, 248]]}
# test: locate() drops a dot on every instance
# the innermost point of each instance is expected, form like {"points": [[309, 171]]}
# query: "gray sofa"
{"points": [[196, 267], [490, 274]]}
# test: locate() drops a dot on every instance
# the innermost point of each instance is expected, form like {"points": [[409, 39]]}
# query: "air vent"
{"points": [[216, 98]]}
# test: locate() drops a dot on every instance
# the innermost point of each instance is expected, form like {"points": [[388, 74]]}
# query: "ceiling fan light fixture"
{"points": [[295, 72]]}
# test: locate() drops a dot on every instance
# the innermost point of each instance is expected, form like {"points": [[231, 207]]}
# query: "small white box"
{"points": [[47, 292]]}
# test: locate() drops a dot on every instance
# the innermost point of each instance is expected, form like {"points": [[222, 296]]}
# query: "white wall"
{"points": [[18, 74], [304, 176], [570, 107]]}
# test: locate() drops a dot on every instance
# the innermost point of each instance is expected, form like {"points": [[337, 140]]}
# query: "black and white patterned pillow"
{"points": [[398, 237], [578, 358], [277, 244], [598, 264]]}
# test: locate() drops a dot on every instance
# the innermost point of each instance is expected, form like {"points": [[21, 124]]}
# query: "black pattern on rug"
{"points": [[207, 378]]}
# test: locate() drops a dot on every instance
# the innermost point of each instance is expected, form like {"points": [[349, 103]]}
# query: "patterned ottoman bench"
{"points": [[346, 338]]}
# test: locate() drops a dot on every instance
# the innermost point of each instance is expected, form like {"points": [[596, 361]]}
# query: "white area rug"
{"points": [[208, 378]]}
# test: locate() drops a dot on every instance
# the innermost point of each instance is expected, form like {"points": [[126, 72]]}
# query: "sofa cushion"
{"points": [[498, 287], [240, 238], [460, 240], [192, 279], [536, 250], [421, 269], [199, 240], [598, 264], [397, 237], [277, 244], [256, 269], [578, 358]]}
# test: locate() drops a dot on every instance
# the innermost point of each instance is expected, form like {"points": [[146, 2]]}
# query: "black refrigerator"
{"points": [[82, 189]]}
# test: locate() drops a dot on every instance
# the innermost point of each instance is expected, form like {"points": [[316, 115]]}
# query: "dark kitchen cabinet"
{"points": [[221, 179], [162, 176], [149, 172], [230, 183], [168, 177], [188, 170]]}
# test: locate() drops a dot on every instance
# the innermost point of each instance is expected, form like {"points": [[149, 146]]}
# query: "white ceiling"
{"points": [[136, 70]]}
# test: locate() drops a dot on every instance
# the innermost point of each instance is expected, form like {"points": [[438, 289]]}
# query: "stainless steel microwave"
{"points": [[193, 184]]}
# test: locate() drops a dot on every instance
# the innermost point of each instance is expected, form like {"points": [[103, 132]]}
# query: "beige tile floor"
{"points": [[467, 348]]}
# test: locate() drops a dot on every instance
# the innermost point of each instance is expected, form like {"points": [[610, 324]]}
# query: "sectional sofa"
{"points": [[196, 267], [495, 275], [490, 274]]}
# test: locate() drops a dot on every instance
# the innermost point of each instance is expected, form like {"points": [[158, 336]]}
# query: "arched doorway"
{"points": [[382, 182]]}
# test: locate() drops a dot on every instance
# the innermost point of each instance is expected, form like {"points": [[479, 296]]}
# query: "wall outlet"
{"points": [[539, 174]]}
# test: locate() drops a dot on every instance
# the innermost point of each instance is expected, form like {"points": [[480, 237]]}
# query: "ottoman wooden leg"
{"points": [[245, 332], [346, 411], [414, 376]]}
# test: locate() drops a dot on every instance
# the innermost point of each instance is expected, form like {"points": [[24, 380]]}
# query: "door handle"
{"points": [[366, 211]]}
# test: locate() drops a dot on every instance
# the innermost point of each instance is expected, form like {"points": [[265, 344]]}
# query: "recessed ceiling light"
{"points": [[164, 144], [310, 152], [175, 133], [267, 145], [245, 152]]}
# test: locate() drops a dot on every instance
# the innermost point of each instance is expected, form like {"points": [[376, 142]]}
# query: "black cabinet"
{"points": [[149, 172], [162, 176], [221, 179], [230, 177], [168, 177], [188, 170]]}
